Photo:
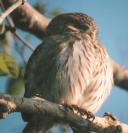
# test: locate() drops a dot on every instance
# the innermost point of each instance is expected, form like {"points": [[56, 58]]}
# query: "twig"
{"points": [[9, 20], [10, 10], [13, 29], [21, 50], [12, 26], [27, 44]]}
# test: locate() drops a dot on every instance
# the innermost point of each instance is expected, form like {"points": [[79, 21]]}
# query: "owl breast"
{"points": [[83, 75]]}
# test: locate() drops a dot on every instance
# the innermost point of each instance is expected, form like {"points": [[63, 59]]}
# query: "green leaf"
{"points": [[2, 28], [56, 12], [15, 86], [8, 65]]}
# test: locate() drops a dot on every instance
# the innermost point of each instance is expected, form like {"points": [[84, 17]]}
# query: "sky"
{"points": [[112, 19]]}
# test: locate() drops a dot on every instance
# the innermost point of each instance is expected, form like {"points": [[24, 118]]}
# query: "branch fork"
{"points": [[11, 9]]}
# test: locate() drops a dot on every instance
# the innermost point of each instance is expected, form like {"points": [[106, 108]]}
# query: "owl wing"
{"points": [[38, 67]]}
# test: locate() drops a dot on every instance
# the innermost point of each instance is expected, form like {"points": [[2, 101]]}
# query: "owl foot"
{"points": [[109, 115], [79, 111]]}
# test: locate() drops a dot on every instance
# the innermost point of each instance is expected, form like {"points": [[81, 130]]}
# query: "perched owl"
{"points": [[70, 66]]}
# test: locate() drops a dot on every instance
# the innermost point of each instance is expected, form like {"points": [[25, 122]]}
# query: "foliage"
{"points": [[15, 86], [8, 65], [56, 12], [2, 28], [40, 7]]}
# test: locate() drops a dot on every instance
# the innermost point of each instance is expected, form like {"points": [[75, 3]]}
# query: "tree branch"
{"points": [[120, 76], [27, 44], [38, 106], [28, 19]]}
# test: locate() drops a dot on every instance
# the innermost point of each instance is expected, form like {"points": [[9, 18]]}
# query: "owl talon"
{"points": [[77, 110], [68, 107], [109, 115], [90, 116], [83, 112]]}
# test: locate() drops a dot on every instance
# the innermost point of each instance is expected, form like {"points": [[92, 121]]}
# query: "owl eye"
{"points": [[84, 26]]}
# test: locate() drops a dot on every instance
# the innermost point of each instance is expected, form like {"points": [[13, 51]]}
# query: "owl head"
{"points": [[72, 22]]}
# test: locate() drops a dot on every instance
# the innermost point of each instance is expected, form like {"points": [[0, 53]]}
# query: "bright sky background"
{"points": [[112, 19]]}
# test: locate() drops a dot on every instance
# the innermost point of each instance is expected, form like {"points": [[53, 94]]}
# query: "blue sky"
{"points": [[112, 19]]}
